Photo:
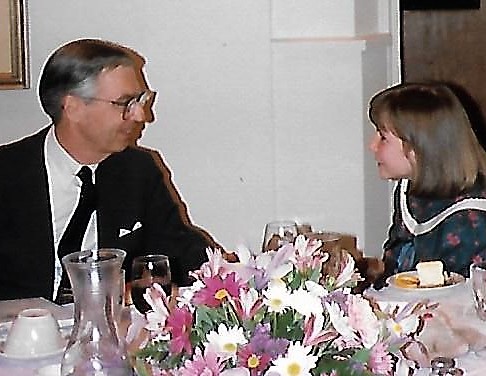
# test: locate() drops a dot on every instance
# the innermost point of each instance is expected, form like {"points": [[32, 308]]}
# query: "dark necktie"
{"points": [[72, 238]]}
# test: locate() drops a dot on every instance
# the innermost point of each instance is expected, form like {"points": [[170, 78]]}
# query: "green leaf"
{"points": [[287, 326], [362, 355], [343, 367], [315, 275]]}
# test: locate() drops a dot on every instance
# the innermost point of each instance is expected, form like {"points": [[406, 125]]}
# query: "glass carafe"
{"points": [[94, 347]]}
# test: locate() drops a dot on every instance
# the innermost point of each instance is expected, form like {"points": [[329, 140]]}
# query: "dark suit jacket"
{"points": [[130, 188]]}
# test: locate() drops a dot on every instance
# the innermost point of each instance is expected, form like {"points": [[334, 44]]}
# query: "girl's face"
{"points": [[392, 161]]}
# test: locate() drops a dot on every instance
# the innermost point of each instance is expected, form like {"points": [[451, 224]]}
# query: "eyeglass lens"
{"points": [[142, 100]]}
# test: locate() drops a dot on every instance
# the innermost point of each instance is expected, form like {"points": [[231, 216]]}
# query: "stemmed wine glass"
{"points": [[147, 270], [278, 233]]}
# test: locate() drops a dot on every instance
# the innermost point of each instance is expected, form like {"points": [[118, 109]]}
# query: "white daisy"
{"points": [[306, 303], [276, 297], [297, 361], [225, 341]]}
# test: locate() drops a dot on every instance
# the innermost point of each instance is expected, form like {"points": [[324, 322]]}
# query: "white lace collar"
{"points": [[419, 228]]}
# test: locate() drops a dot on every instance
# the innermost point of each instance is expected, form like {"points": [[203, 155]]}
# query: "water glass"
{"points": [[478, 283], [147, 270], [278, 233]]}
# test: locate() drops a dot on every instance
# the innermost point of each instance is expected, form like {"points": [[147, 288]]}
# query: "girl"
{"points": [[425, 142]]}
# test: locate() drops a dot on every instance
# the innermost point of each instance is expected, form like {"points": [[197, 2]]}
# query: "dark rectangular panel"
{"points": [[439, 4]]}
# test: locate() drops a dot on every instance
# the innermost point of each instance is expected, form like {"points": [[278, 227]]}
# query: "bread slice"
{"points": [[430, 273]]}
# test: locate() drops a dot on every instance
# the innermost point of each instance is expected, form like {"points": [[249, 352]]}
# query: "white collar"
{"points": [[419, 228]]}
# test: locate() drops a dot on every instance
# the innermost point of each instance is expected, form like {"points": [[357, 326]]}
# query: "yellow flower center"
{"points": [[229, 347], [293, 369], [397, 328], [276, 303], [253, 361], [221, 294]]}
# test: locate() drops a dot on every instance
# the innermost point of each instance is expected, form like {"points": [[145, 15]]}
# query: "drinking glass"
{"points": [[147, 270], [478, 283], [278, 233]]}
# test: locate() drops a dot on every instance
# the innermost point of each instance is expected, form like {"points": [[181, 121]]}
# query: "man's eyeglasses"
{"points": [[141, 99]]}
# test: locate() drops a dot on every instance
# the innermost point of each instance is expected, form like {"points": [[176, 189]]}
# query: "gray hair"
{"points": [[74, 69]]}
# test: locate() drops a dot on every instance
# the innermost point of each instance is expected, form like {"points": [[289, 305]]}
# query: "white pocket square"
{"points": [[124, 231]]}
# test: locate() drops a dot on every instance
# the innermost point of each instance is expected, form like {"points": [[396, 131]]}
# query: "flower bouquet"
{"points": [[274, 313]]}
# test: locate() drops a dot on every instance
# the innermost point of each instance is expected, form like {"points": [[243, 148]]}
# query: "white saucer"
{"points": [[30, 357]]}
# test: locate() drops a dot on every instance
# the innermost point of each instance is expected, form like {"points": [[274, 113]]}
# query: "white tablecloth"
{"points": [[457, 330], [454, 331]]}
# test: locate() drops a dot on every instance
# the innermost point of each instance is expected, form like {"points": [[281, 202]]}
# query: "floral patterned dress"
{"points": [[457, 235]]}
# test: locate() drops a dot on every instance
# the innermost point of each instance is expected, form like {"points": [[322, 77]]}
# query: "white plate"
{"points": [[30, 357], [453, 281]]}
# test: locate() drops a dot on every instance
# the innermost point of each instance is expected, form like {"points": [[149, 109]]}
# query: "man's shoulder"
{"points": [[25, 142], [135, 160], [133, 155]]}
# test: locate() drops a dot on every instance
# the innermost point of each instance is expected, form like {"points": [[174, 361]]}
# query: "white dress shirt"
{"points": [[64, 191]]}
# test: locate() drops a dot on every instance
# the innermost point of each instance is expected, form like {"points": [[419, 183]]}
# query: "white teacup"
{"points": [[34, 332]]}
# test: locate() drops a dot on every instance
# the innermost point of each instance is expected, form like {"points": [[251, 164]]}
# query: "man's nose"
{"points": [[137, 113]]}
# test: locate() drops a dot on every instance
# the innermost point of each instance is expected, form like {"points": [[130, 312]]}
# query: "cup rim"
{"points": [[85, 257], [34, 313], [151, 257]]}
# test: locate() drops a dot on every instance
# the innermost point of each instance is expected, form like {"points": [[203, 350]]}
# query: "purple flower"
{"points": [[263, 343]]}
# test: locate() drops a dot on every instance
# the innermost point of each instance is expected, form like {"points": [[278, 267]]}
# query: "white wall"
{"points": [[261, 106]]}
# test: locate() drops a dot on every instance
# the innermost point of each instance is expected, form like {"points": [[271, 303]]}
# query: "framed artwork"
{"points": [[439, 4], [13, 45]]}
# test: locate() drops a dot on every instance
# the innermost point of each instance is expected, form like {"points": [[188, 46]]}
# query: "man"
{"points": [[96, 96]]}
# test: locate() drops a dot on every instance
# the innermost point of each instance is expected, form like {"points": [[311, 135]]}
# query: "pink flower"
{"points": [[214, 265], [363, 320], [307, 254], [314, 333], [217, 290], [202, 365], [248, 304], [256, 363], [157, 299], [453, 239], [381, 362], [179, 324]]}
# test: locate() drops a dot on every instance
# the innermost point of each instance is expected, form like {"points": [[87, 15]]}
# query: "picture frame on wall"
{"points": [[439, 4], [14, 73]]}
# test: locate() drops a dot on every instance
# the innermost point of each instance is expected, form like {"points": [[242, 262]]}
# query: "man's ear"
{"points": [[73, 108]]}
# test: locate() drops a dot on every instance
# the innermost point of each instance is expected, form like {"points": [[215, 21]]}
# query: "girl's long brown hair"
{"points": [[431, 121]]}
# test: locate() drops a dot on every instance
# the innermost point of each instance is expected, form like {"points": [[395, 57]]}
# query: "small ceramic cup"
{"points": [[35, 332]]}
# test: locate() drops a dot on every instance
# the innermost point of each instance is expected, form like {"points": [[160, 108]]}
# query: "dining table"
{"points": [[453, 329]]}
